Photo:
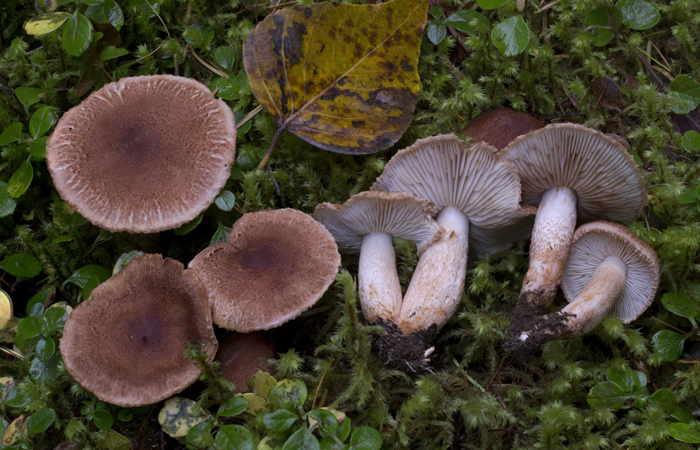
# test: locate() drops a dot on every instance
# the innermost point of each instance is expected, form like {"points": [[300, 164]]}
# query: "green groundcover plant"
{"points": [[628, 67]]}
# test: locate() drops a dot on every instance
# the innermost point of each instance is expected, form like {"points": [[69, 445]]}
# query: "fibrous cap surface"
{"points": [[126, 342], [275, 266], [143, 154], [598, 169], [399, 214], [594, 242], [443, 170]]}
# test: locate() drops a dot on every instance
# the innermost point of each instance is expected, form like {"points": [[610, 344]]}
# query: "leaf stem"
{"points": [[250, 115], [266, 158]]}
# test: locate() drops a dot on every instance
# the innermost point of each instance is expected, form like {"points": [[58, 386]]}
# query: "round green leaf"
{"points": [[77, 34], [40, 421], [178, 415], [112, 52], [302, 440], [37, 147], [28, 96], [21, 179], [225, 201], [45, 23], [11, 134], [511, 36], [45, 349], [685, 90], [607, 394], [82, 276], [365, 438], [685, 433], [491, 4], [688, 196], [466, 21], [666, 399], [16, 398], [638, 14], [288, 394], [435, 32], [234, 437], [42, 121], [103, 419], [691, 141], [598, 20], [225, 57], [125, 259], [327, 422], [107, 12], [279, 420], [189, 226], [232, 407], [7, 203], [668, 344], [22, 265], [29, 327], [680, 305]]}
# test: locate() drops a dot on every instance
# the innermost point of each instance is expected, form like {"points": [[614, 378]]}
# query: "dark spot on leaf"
{"points": [[406, 66], [293, 50], [307, 12], [358, 123], [276, 34], [321, 51], [388, 65], [342, 81]]}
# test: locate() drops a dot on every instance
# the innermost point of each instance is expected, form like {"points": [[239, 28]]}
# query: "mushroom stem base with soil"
{"points": [[378, 282], [551, 240], [581, 315]]}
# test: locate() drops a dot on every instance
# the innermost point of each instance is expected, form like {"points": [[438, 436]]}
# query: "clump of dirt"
{"points": [[406, 352], [536, 332]]}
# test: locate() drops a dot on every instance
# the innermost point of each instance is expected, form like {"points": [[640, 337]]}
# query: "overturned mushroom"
{"points": [[572, 174], [365, 224], [126, 342], [609, 271], [143, 154], [275, 266]]}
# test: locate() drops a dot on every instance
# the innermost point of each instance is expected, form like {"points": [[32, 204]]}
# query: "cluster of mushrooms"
{"points": [[119, 160]]}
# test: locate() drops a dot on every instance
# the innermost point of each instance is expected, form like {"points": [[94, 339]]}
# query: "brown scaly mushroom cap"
{"points": [[126, 342], [498, 127], [609, 271], [243, 355], [572, 174], [275, 266], [366, 224], [144, 154]]}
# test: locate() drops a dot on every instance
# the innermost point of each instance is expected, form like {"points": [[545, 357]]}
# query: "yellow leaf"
{"points": [[45, 23], [261, 383], [178, 415], [342, 77], [5, 309], [255, 403], [111, 440], [16, 429]]}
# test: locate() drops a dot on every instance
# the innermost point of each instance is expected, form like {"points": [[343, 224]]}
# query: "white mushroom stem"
{"points": [[551, 240], [378, 281], [438, 282], [589, 308]]}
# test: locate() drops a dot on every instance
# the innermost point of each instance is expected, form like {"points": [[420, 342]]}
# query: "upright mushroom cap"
{"points": [[126, 342], [399, 214], [275, 266], [596, 241], [143, 154], [604, 176], [498, 127], [244, 354], [443, 170]]}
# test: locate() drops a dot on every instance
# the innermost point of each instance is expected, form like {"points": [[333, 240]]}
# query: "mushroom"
{"points": [[365, 224], [498, 127], [571, 173], [244, 354], [126, 342], [275, 266], [143, 154], [609, 271], [476, 194]]}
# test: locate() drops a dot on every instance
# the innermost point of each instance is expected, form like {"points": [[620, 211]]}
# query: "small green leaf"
{"points": [[288, 394], [327, 422], [178, 415], [691, 141], [16, 398], [365, 438], [40, 421], [220, 235], [225, 201], [200, 435], [638, 14], [280, 420], [607, 394], [302, 440], [21, 179], [225, 57], [37, 147], [125, 259], [598, 21], [7, 203], [29, 327], [685, 433], [464, 20], [22, 265], [103, 419], [435, 32], [40, 298], [107, 12], [232, 407], [77, 35], [679, 305], [436, 12], [56, 316], [45, 349], [28, 96], [685, 90], [666, 399], [189, 226], [198, 35], [511, 36], [45, 23], [491, 4], [229, 88], [42, 121], [632, 381], [112, 52], [92, 2], [234, 437], [82, 276], [688, 196], [668, 344], [11, 134]]}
